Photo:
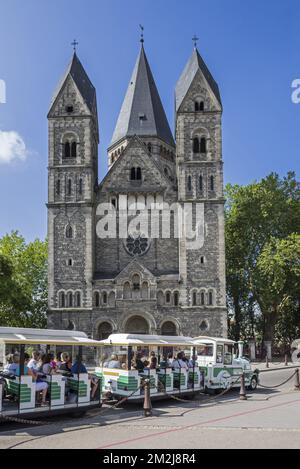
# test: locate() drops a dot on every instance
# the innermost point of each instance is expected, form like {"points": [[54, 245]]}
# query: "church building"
{"points": [[141, 283]]}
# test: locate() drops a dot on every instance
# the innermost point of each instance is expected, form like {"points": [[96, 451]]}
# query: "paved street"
{"points": [[269, 418]]}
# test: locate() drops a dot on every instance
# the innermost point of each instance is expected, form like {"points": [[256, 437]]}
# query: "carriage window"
{"points": [[220, 354], [228, 355], [205, 350]]}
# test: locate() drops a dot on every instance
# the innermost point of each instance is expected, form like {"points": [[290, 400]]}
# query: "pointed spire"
{"points": [[77, 72], [185, 81], [142, 112]]}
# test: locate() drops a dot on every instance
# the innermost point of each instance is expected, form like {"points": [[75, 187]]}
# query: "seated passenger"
{"points": [[46, 367], [138, 364], [39, 386], [114, 362], [9, 362], [34, 363], [78, 367], [66, 363], [12, 364], [179, 363], [193, 362], [153, 361]]}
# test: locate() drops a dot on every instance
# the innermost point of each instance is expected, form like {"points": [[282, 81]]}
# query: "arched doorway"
{"points": [[168, 328], [137, 325], [104, 330]]}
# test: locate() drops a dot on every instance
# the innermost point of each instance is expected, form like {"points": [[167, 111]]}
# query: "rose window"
{"points": [[137, 245]]}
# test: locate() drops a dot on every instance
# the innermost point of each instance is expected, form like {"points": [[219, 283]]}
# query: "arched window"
{"points": [[197, 106], [104, 331], [74, 150], [136, 282], [204, 326], [104, 298], [210, 298], [138, 174], [201, 106], [62, 300], [67, 150], [127, 291], [168, 297], [176, 298], [202, 298], [200, 183], [78, 299], [112, 299], [70, 262], [190, 183], [196, 145], [212, 183], [169, 329], [80, 186], [69, 191], [70, 300], [194, 298], [133, 174], [145, 291], [58, 187], [203, 145], [69, 232], [97, 299]]}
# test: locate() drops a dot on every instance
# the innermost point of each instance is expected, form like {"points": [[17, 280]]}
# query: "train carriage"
{"points": [[66, 392], [221, 366], [121, 379]]}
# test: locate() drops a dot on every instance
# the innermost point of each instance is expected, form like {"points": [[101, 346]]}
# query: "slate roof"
{"points": [[185, 81], [142, 112], [87, 90]]}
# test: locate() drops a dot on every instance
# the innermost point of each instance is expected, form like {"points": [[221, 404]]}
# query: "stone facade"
{"points": [[97, 285]]}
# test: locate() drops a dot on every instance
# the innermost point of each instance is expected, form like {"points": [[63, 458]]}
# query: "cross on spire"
{"points": [[142, 34], [195, 39], [74, 44]]}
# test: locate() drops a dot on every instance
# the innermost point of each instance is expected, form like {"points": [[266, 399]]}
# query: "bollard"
{"points": [[147, 399], [243, 396], [267, 362], [297, 381]]}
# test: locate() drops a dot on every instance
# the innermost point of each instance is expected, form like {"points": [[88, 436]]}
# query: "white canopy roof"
{"points": [[204, 339], [16, 335], [158, 340]]}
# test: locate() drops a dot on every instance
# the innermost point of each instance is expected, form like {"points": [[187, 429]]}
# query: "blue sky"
{"points": [[251, 47]]}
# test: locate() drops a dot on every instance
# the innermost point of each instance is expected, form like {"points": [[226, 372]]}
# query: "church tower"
{"points": [[72, 179], [200, 181]]}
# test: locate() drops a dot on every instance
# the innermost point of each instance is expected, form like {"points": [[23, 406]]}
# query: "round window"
{"points": [[137, 245]]}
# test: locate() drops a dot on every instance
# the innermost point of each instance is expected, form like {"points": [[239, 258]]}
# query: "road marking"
{"points": [[187, 427]]}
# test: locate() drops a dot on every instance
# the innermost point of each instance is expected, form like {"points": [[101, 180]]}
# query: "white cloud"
{"points": [[12, 147]]}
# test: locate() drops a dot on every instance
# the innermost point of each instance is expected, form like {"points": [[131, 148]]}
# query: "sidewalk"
{"points": [[274, 365]]}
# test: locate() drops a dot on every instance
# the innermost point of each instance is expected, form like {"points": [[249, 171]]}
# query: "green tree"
{"points": [[255, 214], [23, 296], [278, 280]]}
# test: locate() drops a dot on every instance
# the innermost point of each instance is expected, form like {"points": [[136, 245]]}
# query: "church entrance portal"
{"points": [[137, 325]]}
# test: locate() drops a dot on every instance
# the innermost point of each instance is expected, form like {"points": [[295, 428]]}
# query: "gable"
{"points": [[134, 267], [69, 95], [135, 155], [199, 89]]}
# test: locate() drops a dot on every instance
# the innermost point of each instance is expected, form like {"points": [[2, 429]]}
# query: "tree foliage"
{"points": [[23, 286], [262, 251]]}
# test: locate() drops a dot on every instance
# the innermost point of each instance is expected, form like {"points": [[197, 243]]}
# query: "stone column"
{"points": [[268, 347], [252, 347]]}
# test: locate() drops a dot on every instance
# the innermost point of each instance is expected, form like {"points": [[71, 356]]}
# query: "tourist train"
{"points": [[47, 372]]}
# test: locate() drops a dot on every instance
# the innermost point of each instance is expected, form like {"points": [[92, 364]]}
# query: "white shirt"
{"points": [[178, 363]]}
